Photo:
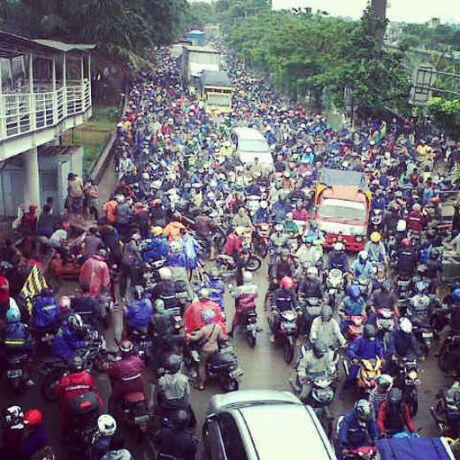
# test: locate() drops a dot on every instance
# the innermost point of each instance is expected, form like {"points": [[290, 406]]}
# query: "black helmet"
{"points": [[319, 349], [47, 292], [138, 292], [369, 331], [76, 364], [180, 418], [395, 396], [173, 364]]}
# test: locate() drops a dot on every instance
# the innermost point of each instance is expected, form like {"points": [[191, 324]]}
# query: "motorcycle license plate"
{"points": [[236, 373], [14, 373], [141, 419], [251, 326], [427, 334], [145, 344]]}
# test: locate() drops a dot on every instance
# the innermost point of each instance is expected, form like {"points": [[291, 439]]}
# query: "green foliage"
{"points": [[437, 38], [446, 114], [120, 28], [200, 14]]}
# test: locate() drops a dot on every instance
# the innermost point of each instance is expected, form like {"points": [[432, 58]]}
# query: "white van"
{"points": [[251, 144]]}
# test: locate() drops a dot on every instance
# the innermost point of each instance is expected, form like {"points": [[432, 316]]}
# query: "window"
{"points": [[231, 438], [342, 211], [218, 99], [253, 145]]}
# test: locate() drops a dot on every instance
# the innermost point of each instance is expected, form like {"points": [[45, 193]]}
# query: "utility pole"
{"points": [[379, 14]]}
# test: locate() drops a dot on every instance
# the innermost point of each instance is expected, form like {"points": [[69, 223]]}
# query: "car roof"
{"points": [[242, 398], [248, 133], [289, 431]]}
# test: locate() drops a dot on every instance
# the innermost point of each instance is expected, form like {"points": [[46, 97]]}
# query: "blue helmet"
{"points": [[354, 291], [13, 315], [456, 294]]}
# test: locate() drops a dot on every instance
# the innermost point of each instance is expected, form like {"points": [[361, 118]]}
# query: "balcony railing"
{"points": [[22, 113]]}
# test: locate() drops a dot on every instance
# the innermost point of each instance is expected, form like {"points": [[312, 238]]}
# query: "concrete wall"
{"points": [[54, 165]]}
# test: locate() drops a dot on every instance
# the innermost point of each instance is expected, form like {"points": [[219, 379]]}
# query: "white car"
{"points": [[251, 144]]}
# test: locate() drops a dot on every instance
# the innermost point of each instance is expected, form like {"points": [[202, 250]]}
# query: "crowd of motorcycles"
{"points": [[178, 162]]}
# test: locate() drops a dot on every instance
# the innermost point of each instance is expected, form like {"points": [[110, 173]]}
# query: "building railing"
{"points": [[22, 113]]}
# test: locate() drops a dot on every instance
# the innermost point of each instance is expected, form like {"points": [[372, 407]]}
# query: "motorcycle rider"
{"points": [[165, 289], [289, 226], [15, 339], [139, 312], [13, 430], [358, 428], [309, 252], [406, 258], [76, 382], [208, 338], [106, 429], [394, 415], [175, 441], [315, 362], [338, 258], [216, 287], [284, 299], [416, 221], [69, 338], [126, 375], [311, 286], [245, 300], [45, 312], [381, 391], [262, 215], [376, 249], [365, 347], [283, 266], [361, 266], [158, 247], [420, 306], [86, 306], [352, 305], [278, 241], [403, 343], [192, 315], [95, 273]]}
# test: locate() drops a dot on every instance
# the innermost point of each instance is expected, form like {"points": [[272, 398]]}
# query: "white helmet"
{"points": [[106, 425], [264, 204], [120, 198], [75, 321], [312, 272], [405, 325], [339, 246], [145, 176], [175, 246], [247, 277], [165, 273], [363, 255]]}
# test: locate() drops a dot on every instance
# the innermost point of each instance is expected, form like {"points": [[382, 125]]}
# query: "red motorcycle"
{"points": [[355, 326]]}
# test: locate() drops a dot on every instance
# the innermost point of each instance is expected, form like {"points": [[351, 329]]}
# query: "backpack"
{"points": [[84, 404]]}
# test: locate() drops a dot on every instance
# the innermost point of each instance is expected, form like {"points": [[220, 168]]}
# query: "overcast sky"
{"points": [[398, 10]]}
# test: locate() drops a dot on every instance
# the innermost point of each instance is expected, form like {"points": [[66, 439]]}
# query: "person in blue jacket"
{"points": [[45, 312], [140, 311], [361, 266], [262, 215], [358, 427], [216, 287], [158, 247], [352, 305], [69, 338], [365, 347]]}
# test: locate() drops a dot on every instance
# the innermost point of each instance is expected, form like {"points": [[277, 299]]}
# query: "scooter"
{"points": [[334, 284], [287, 331], [446, 410], [16, 372], [262, 239], [407, 379], [135, 413]]}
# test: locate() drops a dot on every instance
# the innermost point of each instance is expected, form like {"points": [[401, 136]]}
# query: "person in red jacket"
{"points": [[394, 414], [95, 273], [76, 383], [126, 375], [415, 219], [234, 243]]}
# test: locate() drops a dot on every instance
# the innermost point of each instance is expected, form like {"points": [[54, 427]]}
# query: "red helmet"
{"points": [[287, 282], [405, 243], [33, 417]]}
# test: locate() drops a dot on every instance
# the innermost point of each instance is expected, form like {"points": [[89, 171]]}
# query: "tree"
{"points": [[199, 14], [446, 114]]}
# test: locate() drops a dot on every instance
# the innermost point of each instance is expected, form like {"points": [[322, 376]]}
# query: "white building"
{"points": [[45, 89]]}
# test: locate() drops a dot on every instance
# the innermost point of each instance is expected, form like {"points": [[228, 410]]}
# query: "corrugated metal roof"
{"points": [[64, 47], [215, 77]]}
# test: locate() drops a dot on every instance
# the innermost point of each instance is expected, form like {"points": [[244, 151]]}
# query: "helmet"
{"points": [[339, 246], [208, 316], [159, 306], [369, 331], [405, 325], [312, 272], [4, 267], [395, 396], [47, 292], [405, 242], [239, 230], [14, 417], [420, 287], [138, 292], [308, 239], [363, 255], [326, 312], [456, 295], [214, 273], [106, 425], [247, 277], [264, 204], [64, 303], [416, 207], [376, 237], [385, 381], [75, 321], [319, 349], [120, 198], [76, 364], [102, 253], [126, 346], [286, 174], [354, 291], [33, 417], [204, 293], [180, 418], [13, 315], [165, 273], [157, 230], [363, 410], [287, 282], [175, 246], [278, 227], [173, 363]]}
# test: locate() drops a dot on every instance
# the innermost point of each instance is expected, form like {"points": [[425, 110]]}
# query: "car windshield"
{"points": [[219, 99], [253, 145], [343, 211]]}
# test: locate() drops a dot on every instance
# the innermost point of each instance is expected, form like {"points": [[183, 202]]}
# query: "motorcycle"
{"points": [[375, 224], [16, 372], [222, 366], [424, 334], [250, 324], [287, 332], [385, 322], [334, 285], [407, 379], [446, 411], [142, 343], [135, 414], [402, 285], [449, 355], [226, 263], [369, 371], [355, 326], [262, 239], [362, 453], [310, 308]]}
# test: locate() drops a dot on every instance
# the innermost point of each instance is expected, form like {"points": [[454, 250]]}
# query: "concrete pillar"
{"points": [[31, 176]]}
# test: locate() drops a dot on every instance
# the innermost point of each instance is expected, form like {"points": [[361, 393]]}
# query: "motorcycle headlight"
{"points": [[358, 238], [412, 375], [323, 395]]}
